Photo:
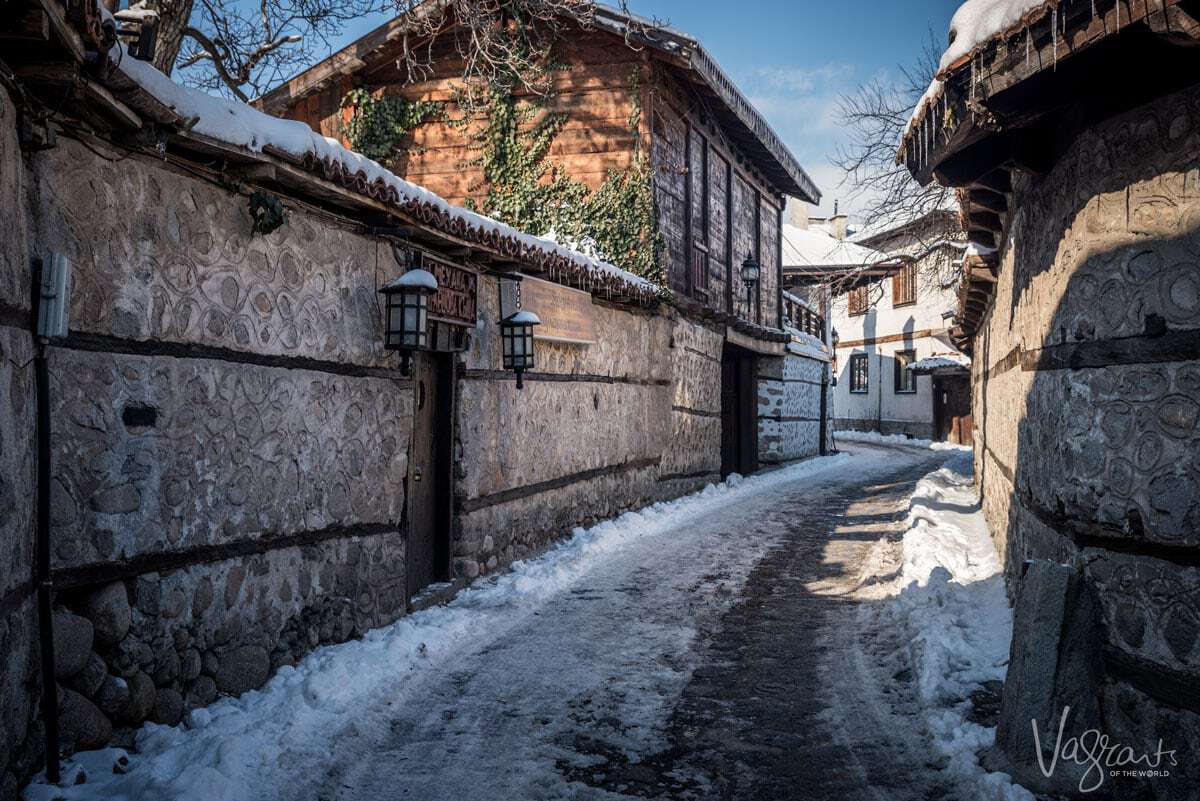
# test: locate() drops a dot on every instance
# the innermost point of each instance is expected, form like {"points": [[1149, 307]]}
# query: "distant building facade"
{"points": [[890, 297]]}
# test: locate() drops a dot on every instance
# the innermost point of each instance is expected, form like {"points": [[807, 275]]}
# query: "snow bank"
{"points": [[875, 438], [227, 751], [949, 597]]}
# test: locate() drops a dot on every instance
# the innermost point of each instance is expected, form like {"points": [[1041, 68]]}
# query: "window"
{"points": [[906, 379], [904, 286], [858, 372], [858, 300]]}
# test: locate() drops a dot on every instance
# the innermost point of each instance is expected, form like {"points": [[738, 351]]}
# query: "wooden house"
{"points": [[626, 86]]}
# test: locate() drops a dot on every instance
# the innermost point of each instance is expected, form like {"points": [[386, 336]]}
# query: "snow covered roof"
{"points": [[945, 361], [816, 247], [422, 279], [238, 125]]}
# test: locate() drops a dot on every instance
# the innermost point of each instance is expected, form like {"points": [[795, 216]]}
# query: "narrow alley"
{"points": [[713, 647]]}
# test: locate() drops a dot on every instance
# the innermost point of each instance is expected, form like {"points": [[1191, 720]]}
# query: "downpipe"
{"points": [[45, 584]]}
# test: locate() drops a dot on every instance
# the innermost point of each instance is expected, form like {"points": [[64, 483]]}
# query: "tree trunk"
{"points": [[173, 18]]}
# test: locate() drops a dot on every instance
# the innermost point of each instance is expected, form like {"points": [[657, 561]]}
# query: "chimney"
{"points": [[838, 223], [796, 213]]}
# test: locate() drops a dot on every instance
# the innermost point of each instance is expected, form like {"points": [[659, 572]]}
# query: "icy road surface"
{"points": [[778, 638]]}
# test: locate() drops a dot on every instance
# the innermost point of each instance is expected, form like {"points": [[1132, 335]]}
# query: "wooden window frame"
{"points": [[904, 287], [898, 371], [864, 360]]}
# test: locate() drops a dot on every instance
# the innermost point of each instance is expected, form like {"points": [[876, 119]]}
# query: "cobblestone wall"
{"points": [[230, 442], [789, 407], [1087, 407]]}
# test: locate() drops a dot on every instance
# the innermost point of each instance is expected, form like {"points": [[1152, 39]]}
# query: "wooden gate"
{"points": [[952, 409], [429, 472]]}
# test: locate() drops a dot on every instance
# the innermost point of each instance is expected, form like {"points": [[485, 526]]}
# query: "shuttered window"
{"points": [[858, 300], [904, 286]]}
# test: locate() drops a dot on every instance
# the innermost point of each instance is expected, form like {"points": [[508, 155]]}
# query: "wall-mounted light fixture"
{"points": [[750, 274], [516, 331], [406, 316]]}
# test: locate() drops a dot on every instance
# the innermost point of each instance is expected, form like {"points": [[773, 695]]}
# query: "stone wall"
{"points": [[230, 440], [597, 430], [20, 731], [789, 407], [1087, 409], [230, 449]]}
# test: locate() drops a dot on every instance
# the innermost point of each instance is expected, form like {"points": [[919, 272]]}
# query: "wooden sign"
{"points": [[566, 313], [454, 301]]}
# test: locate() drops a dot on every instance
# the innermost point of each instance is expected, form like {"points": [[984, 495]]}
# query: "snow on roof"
{"points": [[238, 124], [976, 23], [418, 278], [980, 21], [814, 247], [945, 360], [523, 317]]}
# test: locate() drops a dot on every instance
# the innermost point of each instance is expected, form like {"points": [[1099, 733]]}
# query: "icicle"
{"points": [[1054, 34], [1028, 45], [1093, 9]]}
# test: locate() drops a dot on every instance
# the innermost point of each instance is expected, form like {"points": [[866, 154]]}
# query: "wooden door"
{"points": [[952, 409], [429, 471], [739, 429]]}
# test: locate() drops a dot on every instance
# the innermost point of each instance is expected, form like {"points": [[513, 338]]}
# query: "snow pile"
{"points": [[875, 438], [950, 600], [237, 124], [266, 738]]}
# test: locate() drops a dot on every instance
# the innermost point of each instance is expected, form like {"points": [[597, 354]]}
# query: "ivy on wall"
{"points": [[618, 221], [378, 124]]}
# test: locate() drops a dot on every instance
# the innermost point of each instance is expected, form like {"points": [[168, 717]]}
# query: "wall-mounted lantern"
{"points": [[516, 331], [406, 313], [750, 273], [834, 339]]}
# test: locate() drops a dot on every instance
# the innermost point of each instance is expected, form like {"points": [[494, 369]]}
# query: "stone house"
{"points": [[1080, 308], [625, 89], [236, 469]]}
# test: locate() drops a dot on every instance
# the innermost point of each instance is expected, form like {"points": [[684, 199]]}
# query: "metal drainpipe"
{"points": [[45, 585]]}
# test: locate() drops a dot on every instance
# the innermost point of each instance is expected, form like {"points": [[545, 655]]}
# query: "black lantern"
{"points": [[516, 331], [406, 314], [834, 338], [750, 274]]}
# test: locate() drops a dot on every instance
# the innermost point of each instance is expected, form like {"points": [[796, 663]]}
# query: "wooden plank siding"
{"points": [[714, 207]]}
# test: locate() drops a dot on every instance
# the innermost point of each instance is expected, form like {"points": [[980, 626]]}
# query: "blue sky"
{"points": [[794, 59]]}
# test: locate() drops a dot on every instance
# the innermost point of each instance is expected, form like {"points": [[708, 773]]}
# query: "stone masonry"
{"points": [[1087, 406]]}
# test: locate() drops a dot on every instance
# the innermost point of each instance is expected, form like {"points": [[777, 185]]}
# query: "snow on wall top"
{"points": [[238, 124], [814, 247]]}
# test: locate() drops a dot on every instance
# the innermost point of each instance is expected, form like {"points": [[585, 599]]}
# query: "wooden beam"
{"points": [[998, 181], [62, 29], [988, 200], [33, 26], [253, 172], [987, 221]]}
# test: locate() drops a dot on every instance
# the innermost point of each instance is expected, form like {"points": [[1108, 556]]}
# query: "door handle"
{"points": [[416, 474]]}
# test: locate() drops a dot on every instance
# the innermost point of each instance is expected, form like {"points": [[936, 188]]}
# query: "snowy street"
{"points": [[747, 642]]}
